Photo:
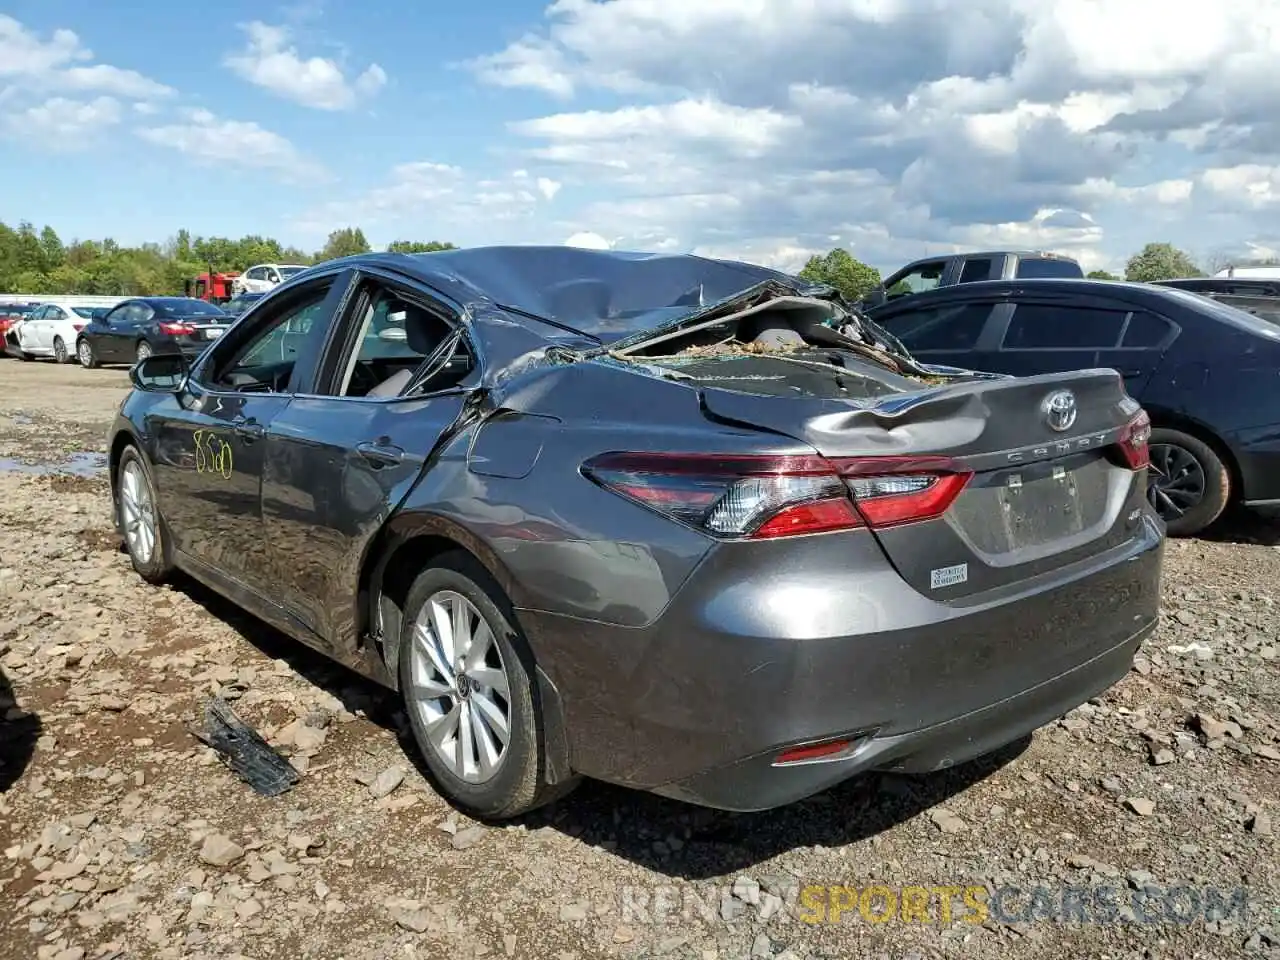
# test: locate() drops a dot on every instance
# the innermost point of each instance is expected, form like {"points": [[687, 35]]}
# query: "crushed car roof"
{"points": [[590, 290]]}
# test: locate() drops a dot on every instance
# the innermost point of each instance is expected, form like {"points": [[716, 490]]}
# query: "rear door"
{"points": [[342, 458], [1143, 343]]}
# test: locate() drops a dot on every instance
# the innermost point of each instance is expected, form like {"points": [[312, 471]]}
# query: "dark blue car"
{"points": [[135, 329], [1205, 372]]}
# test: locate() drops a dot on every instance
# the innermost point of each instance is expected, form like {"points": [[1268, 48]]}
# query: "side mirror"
{"points": [[161, 373]]}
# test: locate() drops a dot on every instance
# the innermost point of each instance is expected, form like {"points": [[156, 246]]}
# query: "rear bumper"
{"points": [[820, 638]]}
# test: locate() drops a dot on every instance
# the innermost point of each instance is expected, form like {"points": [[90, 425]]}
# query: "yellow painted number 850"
{"points": [[213, 454]]}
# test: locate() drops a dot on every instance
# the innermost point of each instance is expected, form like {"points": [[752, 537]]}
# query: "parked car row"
{"points": [[132, 330]]}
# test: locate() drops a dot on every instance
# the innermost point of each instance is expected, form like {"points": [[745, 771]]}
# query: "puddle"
{"points": [[76, 465]]}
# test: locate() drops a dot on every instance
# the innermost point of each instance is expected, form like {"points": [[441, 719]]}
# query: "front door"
{"points": [[340, 461], [115, 344], [210, 443]]}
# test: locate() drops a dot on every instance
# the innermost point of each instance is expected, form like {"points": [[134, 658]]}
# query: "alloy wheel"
{"points": [[459, 687], [144, 351], [85, 353], [138, 512], [1176, 481], [59, 350]]}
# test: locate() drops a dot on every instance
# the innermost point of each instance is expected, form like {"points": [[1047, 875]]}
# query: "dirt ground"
{"points": [[1140, 826]]}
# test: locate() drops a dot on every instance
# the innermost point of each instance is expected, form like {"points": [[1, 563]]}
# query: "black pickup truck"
{"points": [[943, 271]]}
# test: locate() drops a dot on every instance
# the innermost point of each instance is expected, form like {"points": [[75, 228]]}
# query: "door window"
{"points": [[265, 362], [257, 273], [974, 270], [952, 327], [1145, 330], [1038, 326], [921, 278], [395, 336]]}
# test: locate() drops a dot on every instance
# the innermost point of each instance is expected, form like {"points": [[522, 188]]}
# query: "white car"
{"points": [[52, 328], [264, 277]]}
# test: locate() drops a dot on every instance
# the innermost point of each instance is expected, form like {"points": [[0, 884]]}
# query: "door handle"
{"points": [[380, 454], [248, 429]]}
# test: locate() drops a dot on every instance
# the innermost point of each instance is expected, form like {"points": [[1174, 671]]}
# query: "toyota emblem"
{"points": [[1060, 410]]}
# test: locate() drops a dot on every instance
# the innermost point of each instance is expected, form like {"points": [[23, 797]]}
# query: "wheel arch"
{"points": [[1170, 420], [406, 546]]}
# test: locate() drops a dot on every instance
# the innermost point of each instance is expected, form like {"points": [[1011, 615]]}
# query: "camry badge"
{"points": [[1060, 410]]}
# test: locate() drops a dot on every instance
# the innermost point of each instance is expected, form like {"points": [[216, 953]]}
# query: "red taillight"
{"points": [[768, 497], [1135, 440], [177, 329], [77, 327]]}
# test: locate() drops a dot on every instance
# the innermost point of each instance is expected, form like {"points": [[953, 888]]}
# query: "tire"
{"points": [[515, 784], [60, 354], [142, 351], [1187, 482], [84, 352], [133, 473]]}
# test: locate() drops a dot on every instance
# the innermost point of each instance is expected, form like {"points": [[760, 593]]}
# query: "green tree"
{"points": [[1101, 275], [853, 278], [38, 261], [1160, 261], [346, 242], [417, 246]]}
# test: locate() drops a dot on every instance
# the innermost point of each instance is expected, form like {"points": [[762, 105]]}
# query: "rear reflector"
{"points": [[815, 751], [778, 496]]}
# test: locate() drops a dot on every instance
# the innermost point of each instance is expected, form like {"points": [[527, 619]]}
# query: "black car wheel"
{"points": [[84, 350], [143, 350], [60, 351], [466, 675], [1187, 483], [138, 511]]}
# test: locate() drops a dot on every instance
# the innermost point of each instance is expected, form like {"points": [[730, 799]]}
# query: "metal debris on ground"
{"points": [[244, 751]]}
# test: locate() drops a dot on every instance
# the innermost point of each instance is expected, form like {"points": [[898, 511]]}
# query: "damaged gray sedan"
{"points": [[686, 525]]}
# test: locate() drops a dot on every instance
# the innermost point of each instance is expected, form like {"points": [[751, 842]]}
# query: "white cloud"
{"points": [[588, 241], [905, 126], [59, 124], [207, 139], [42, 79], [270, 62], [441, 195]]}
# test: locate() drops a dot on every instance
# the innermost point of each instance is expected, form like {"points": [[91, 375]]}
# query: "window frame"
{"points": [[265, 313], [344, 336], [1121, 308], [995, 309], [989, 261]]}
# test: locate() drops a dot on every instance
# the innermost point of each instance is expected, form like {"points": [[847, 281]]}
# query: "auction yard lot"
{"points": [[1142, 825]]}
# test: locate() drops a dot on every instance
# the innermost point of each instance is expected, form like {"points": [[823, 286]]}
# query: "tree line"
{"points": [[1156, 261], [38, 261]]}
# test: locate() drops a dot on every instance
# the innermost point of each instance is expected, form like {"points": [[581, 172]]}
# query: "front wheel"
{"points": [[466, 675], [84, 350], [145, 535], [1187, 483], [60, 353]]}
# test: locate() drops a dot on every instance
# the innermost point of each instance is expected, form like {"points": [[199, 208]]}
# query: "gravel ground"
{"points": [[1127, 829]]}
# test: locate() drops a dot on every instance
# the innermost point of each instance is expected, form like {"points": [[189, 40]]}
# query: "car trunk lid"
{"points": [[1044, 484]]}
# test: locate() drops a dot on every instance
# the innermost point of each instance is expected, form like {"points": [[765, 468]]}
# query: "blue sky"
{"points": [[749, 128]]}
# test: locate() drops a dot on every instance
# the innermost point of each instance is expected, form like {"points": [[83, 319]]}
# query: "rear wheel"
{"points": [[143, 351], [60, 353], [466, 675], [84, 350], [145, 536], [1187, 483]]}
